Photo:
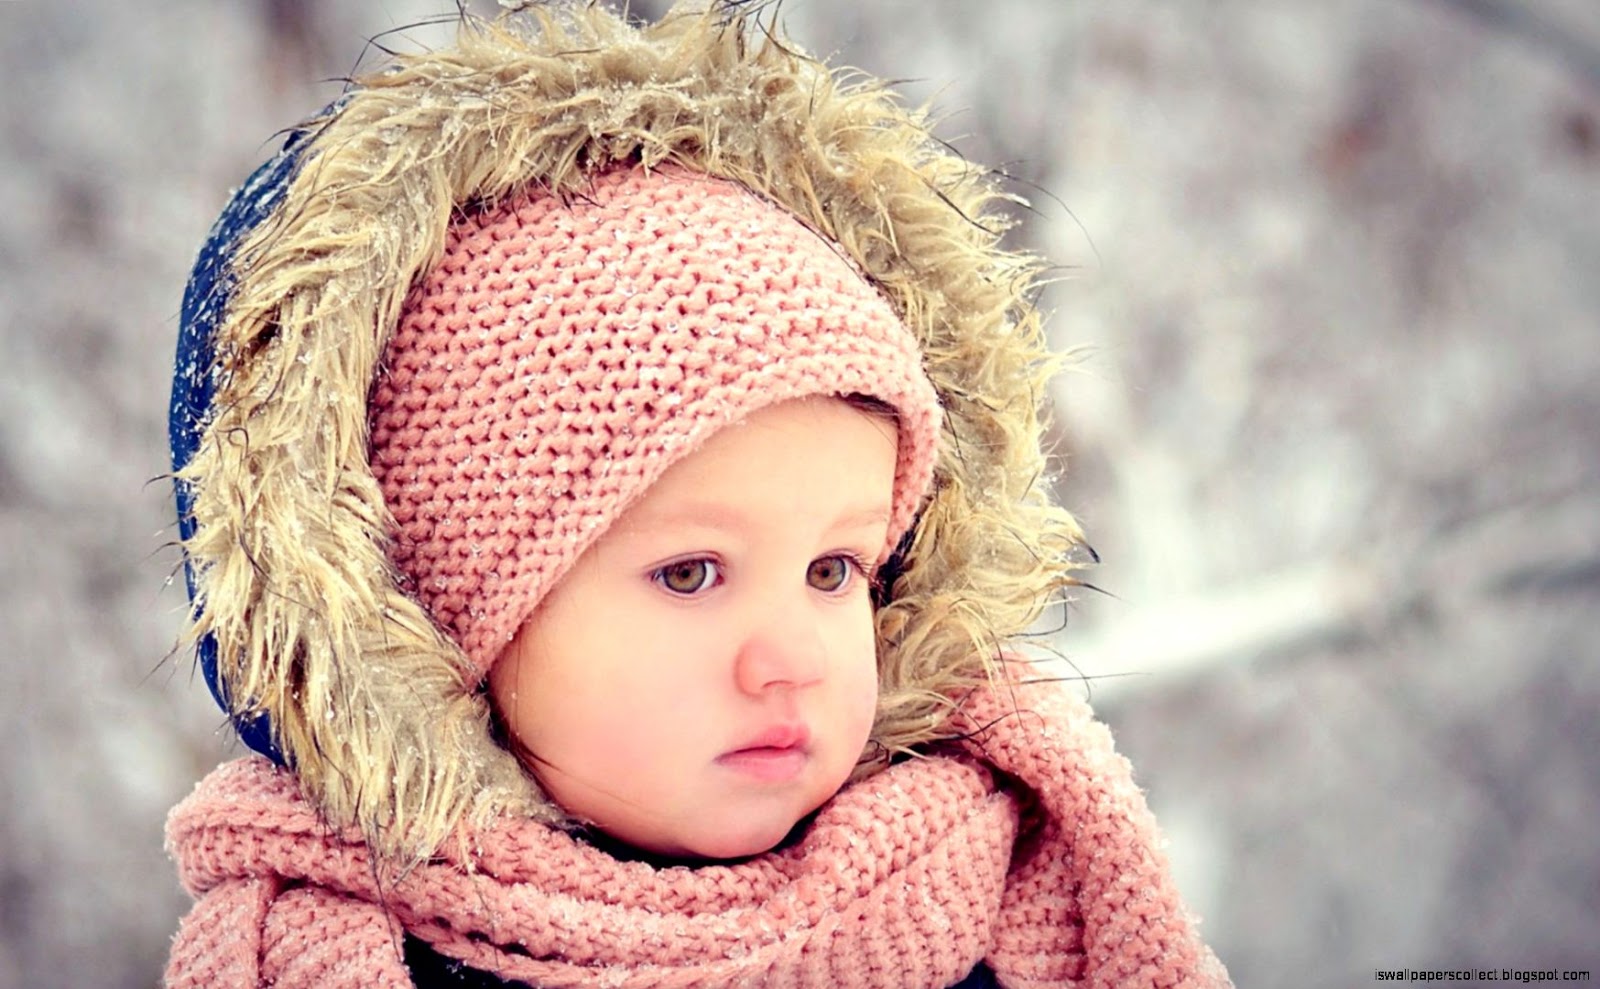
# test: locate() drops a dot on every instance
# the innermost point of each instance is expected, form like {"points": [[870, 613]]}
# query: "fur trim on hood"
{"points": [[299, 613]]}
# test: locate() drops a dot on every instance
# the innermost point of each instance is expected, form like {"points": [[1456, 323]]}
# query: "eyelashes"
{"points": [[832, 574]]}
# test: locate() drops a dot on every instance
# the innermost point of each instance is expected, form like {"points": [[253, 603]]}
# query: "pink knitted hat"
{"points": [[564, 352]]}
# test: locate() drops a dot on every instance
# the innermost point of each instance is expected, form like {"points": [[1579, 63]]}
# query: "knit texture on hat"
{"points": [[904, 880], [565, 351]]}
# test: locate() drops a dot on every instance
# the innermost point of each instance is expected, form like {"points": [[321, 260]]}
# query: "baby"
{"points": [[608, 470]]}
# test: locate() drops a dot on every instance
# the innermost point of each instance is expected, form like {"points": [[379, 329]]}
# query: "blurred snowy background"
{"points": [[1336, 270]]}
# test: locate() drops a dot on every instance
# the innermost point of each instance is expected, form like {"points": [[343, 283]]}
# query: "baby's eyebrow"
{"points": [[706, 515], [731, 518], [863, 518]]}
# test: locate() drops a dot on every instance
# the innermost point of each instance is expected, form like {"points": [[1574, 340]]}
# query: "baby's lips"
{"points": [[779, 737]]}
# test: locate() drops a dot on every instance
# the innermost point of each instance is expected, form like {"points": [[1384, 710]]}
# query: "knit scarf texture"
{"points": [[1026, 846]]}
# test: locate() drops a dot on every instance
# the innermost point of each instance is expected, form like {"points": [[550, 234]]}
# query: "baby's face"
{"points": [[706, 674]]}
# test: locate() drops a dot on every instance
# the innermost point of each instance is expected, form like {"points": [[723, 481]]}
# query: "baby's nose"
{"points": [[786, 650]]}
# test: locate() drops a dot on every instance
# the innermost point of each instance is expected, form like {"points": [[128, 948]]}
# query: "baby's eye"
{"points": [[688, 577], [831, 573]]}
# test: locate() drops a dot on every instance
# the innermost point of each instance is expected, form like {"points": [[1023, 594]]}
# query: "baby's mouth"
{"points": [[776, 755]]}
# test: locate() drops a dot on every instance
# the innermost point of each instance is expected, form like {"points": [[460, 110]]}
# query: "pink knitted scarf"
{"points": [[906, 879]]}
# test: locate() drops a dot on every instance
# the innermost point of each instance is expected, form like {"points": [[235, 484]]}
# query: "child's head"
{"points": [[442, 358], [612, 425]]}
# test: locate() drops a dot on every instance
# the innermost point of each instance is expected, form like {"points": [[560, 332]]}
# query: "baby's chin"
{"points": [[711, 841], [742, 845]]}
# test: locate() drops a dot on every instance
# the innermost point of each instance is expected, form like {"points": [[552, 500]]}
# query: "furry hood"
{"points": [[300, 621]]}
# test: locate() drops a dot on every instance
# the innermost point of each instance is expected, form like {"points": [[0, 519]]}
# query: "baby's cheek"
{"points": [[587, 729], [607, 769], [861, 696], [629, 745]]}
